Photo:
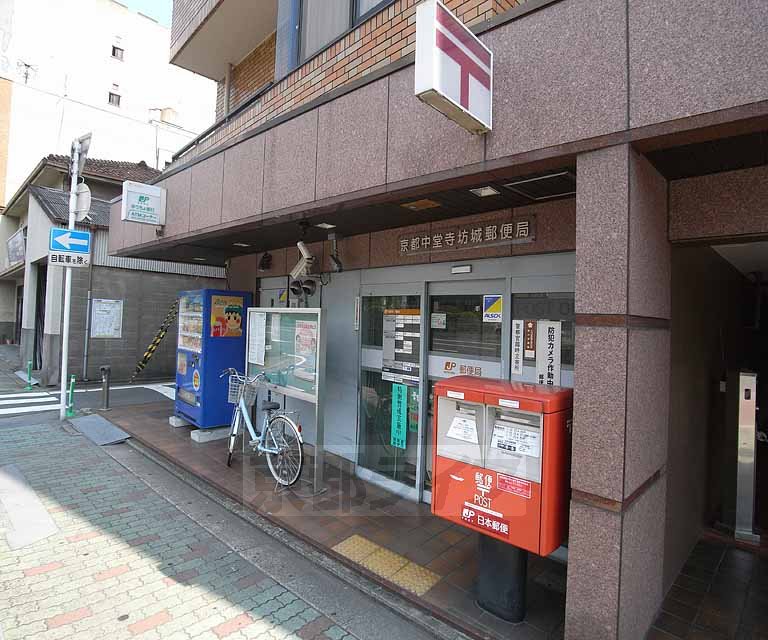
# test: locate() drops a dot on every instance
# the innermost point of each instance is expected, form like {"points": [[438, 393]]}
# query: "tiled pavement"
{"points": [[391, 540], [721, 593], [127, 563]]}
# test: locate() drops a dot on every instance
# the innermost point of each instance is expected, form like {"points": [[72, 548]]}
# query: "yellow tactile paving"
{"points": [[415, 578], [356, 548], [384, 563], [388, 564]]}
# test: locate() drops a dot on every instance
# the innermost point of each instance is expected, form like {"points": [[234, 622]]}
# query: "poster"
{"points": [[514, 440], [399, 416], [438, 320], [226, 316], [492, 308], [464, 428], [257, 338], [274, 328], [517, 347], [401, 343], [548, 340], [106, 318], [306, 343], [529, 340]]}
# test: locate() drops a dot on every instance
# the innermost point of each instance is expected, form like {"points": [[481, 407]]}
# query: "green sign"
{"points": [[413, 409], [399, 415]]}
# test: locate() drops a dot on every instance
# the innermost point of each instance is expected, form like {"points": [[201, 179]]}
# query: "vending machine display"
{"points": [[211, 338]]}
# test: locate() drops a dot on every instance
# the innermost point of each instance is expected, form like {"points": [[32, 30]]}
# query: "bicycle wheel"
{"points": [[233, 433], [285, 465]]}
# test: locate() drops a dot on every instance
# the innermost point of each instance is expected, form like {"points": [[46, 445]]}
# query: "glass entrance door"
{"points": [[390, 385], [466, 323]]}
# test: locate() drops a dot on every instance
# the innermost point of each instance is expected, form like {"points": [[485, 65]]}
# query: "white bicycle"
{"points": [[279, 439]]}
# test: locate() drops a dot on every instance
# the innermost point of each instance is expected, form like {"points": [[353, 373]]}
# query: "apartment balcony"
{"points": [[209, 35]]}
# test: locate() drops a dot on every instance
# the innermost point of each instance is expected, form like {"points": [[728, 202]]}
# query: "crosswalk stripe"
{"points": [[35, 409], [4, 403], [3, 396]]}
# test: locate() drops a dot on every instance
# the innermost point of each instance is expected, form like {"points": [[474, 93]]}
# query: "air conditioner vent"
{"points": [[546, 187]]}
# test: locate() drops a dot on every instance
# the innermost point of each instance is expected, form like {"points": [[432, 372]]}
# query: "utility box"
{"points": [[502, 459]]}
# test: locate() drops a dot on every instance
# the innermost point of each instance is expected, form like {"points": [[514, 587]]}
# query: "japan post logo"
{"points": [[492, 308]]}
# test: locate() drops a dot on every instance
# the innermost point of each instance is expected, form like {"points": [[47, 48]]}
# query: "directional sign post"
{"points": [[69, 248]]}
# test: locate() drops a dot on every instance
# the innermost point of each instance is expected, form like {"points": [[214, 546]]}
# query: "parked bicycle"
{"points": [[279, 439]]}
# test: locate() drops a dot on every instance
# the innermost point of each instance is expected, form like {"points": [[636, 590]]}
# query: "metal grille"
{"points": [[237, 386]]}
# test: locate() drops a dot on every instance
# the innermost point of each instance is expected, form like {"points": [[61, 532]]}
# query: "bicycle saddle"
{"points": [[270, 406]]}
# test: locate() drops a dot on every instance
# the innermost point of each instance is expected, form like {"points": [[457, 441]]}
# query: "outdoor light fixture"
{"points": [[325, 226], [336, 264], [484, 192], [199, 259], [265, 263], [240, 244]]}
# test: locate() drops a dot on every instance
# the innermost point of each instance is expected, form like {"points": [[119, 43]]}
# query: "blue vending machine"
{"points": [[211, 339]]}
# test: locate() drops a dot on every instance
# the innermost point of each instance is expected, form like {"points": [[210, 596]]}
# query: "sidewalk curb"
{"points": [[391, 600]]}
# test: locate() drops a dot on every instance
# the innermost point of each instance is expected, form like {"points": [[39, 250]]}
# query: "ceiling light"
{"points": [[240, 244], [484, 192], [420, 205], [325, 225], [199, 259]]}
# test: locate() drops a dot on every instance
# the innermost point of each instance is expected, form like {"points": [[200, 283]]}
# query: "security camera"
{"points": [[336, 264], [305, 264], [305, 253]]}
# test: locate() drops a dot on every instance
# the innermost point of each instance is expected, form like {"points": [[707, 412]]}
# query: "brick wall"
{"points": [[383, 39]]}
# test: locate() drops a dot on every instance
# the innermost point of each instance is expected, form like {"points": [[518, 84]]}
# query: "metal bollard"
{"points": [[106, 374]]}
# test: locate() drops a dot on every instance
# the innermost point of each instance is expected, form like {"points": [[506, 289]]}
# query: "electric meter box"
{"points": [[501, 462]]}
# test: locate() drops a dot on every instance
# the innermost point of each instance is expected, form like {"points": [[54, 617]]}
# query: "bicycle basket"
{"points": [[238, 386]]}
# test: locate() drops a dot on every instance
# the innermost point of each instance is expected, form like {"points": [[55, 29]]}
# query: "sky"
{"points": [[160, 10]]}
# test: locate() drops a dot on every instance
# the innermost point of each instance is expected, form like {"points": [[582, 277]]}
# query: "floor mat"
{"points": [[99, 431]]}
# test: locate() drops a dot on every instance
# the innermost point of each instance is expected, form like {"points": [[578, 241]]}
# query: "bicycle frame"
{"points": [[261, 437]]}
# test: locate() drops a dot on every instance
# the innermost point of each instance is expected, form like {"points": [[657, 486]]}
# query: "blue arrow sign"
{"points": [[70, 241]]}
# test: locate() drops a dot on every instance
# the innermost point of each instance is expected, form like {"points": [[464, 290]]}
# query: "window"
{"points": [[323, 21], [114, 99], [117, 52]]}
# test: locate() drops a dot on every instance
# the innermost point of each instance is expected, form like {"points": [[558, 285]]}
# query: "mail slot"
{"points": [[501, 459]]}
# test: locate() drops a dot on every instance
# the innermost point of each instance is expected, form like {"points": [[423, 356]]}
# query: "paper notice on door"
{"points": [[257, 338], [517, 347], [513, 440], [463, 428], [438, 321]]}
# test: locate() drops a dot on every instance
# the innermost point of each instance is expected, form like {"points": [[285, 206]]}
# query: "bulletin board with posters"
{"points": [[288, 346]]}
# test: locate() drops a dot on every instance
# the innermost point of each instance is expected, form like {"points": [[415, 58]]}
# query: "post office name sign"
{"points": [[143, 203], [454, 70], [519, 230]]}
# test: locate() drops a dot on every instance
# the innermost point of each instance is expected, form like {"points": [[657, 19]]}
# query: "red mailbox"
{"points": [[501, 459]]}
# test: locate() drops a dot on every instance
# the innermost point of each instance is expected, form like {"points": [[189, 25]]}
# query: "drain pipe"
{"points": [[87, 340]]}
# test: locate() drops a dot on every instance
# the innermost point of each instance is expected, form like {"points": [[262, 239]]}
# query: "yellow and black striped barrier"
{"points": [[169, 319]]}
